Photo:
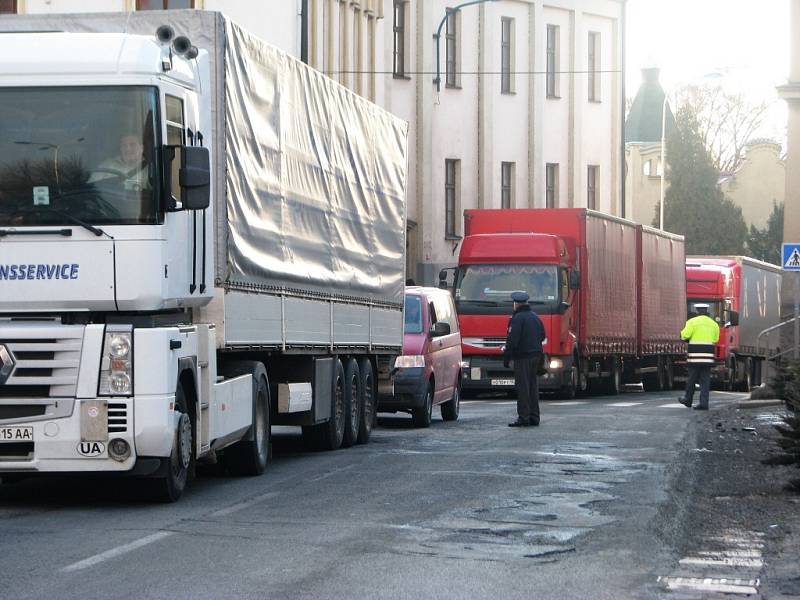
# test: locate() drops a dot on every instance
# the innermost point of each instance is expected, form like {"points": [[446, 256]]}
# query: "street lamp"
{"points": [[438, 35]]}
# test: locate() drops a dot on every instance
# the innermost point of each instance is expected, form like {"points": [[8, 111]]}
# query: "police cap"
{"points": [[520, 297]]}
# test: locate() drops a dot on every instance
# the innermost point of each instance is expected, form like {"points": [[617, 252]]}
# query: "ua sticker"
{"points": [[91, 448]]}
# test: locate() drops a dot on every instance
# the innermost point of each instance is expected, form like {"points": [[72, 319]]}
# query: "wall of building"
{"points": [[758, 184], [643, 181]]}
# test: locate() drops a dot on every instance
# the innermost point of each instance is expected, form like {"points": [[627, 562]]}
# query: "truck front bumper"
{"points": [[59, 442], [487, 374]]}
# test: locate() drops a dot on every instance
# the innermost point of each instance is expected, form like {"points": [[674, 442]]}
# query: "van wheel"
{"points": [[170, 486], [421, 417], [250, 457], [329, 435], [451, 407], [353, 403], [368, 395]]}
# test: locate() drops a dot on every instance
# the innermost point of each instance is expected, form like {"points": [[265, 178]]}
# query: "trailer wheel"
{"points": [[421, 417], [368, 394], [170, 486], [451, 408], [654, 382], [250, 457], [746, 384], [329, 435], [353, 403], [614, 382], [669, 375]]}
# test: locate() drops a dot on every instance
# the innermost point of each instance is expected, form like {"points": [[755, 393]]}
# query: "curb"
{"points": [[759, 403]]}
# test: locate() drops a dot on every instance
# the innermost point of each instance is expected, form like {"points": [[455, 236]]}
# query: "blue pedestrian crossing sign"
{"points": [[791, 257]]}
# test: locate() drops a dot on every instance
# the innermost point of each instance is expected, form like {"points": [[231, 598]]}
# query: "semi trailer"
{"points": [[200, 237]]}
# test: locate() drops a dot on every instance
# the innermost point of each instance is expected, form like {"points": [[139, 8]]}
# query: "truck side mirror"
{"points": [[733, 318], [562, 307], [574, 280], [187, 177], [443, 277]]}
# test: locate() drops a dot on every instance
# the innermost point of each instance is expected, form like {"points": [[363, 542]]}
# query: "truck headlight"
{"points": [[409, 361], [556, 364], [116, 363]]}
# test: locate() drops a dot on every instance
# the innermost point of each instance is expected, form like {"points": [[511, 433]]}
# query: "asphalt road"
{"points": [[472, 509]]}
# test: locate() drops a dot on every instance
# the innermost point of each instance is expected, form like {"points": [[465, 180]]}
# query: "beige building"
{"points": [[528, 112], [759, 183], [643, 161]]}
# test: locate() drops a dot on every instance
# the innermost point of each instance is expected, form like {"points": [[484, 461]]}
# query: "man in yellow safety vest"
{"points": [[702, 332]]}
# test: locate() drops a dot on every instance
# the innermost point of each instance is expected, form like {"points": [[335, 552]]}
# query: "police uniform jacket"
{"points": [[702, 332], [525, 334]]}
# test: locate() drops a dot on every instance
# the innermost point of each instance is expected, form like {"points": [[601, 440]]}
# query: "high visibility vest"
{"points": [[702, 332]]}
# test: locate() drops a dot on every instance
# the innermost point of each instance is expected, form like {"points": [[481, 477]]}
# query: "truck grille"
{"points": [[485, 342], [45, 358], [117, 417]]}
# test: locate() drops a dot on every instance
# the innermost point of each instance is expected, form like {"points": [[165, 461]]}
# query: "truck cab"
{"points": [[105, 248], [491, 267]]}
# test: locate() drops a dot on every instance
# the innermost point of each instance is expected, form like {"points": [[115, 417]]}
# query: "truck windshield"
{"points": [[89, 152], [715, 309], [482, 287]]}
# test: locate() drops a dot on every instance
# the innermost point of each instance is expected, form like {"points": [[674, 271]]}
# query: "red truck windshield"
{"points": [[481, 288]]}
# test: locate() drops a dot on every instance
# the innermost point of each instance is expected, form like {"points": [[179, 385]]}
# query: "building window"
{"points": [[8, 7], [551, 185], [163, 4], [507, 185], [452, 168], [593, 67], [507, 56], [399, 65], [552, 61], [452, 49], [591, 187]]}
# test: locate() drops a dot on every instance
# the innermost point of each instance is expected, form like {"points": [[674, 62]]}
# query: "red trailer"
{"points": [[661, 311], [583, 272]]}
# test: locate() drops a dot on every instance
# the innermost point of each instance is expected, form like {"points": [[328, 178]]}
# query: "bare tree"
{"points": [[728, 121]]}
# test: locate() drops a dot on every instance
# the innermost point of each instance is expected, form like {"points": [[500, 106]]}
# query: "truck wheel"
{"points": [[746, 384], [250, 457], [169, 487], [421, 417], [329, 435], [451, 407], [669, 375], [353, 403], [368, 393], [569, 391], [614, 382]]}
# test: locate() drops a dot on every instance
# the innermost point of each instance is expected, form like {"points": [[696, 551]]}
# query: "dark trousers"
{"points": [[527, 384], [702, 373]]}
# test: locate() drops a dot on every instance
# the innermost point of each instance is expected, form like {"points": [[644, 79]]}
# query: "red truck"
{"points": [[610, 293], [744, 293]]}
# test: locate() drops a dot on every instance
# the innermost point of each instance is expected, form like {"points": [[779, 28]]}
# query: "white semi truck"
{"points": [[200, 238]]}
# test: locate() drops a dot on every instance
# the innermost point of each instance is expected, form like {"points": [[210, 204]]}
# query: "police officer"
{"points": [[524, 348], [702, 332]]}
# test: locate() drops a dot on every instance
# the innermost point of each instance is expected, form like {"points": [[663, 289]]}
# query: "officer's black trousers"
{"points": [[698, 372], [527, 385]]}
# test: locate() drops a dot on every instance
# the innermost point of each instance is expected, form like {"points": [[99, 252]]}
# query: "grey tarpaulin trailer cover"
{"points": [[308, 190]]}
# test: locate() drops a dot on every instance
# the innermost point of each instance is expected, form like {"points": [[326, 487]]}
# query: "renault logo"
{"points": [[6, 364]]}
